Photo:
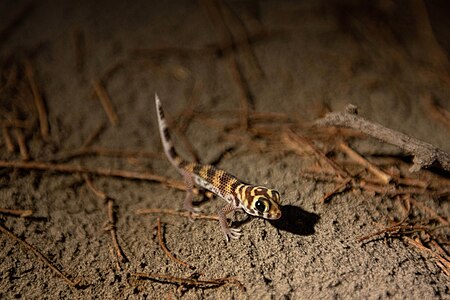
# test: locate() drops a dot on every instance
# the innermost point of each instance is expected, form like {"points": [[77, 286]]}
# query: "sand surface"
{"points": [[304, 58]]}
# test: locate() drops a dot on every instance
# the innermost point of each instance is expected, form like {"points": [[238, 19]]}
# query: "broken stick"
{"points": [[68, 168], [425, 154]]}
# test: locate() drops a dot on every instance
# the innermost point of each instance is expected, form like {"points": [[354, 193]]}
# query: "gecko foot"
{"points": [[233, 233], [188, 203]]}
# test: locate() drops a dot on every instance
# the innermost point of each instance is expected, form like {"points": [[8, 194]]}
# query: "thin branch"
{"points": [[294, 141], [389, 190], [41, 256], [10, 122], [411, 182], [67, 168], [111, 224], [38, 100], [164, 248], [407, 209], [97, 192], [20, 137], [394, 229], [433, 214], [385, 178], [16, 212], [189, 281], [342, 186], [102, 151], [185, 214], [107, 105], [11, 78], [435, 255], [8, 140], [425, 154], [111, 227], [94, 135], [440, 250]]}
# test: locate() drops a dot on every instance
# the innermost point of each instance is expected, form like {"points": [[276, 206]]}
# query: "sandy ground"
{"points": [[312, 57]]}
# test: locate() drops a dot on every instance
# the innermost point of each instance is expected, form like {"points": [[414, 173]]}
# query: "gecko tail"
{"points": [[166, 140]]}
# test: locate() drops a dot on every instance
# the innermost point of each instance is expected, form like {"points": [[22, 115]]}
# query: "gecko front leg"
{"points": [[233, 233]]}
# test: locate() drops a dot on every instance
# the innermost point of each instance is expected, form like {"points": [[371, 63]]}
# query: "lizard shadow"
{"points": [[293, 219], [296, 220]]}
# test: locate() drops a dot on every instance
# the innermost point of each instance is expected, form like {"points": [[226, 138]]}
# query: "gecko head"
{"points": [[264, 202]]}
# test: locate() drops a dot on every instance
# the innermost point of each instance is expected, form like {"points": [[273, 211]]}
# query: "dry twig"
{"points": [[439, 249], [185, 214], [190, 281], [67, 168], [424, 153], [407, 208], [20, 137], [164, 248], [340, 187], [412, 182], [10, 122], [38, 100], [106, 102], [102, 151], [385, 178], [16, 212], [41, 256], [443, 263], [395, 229], [430, 211], [93, 136], [294, 141], [8, 140], [389, 190], [111, 223]]}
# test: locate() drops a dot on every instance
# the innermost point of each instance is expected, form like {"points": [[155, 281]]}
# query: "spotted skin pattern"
{"points": [[255, 200]]}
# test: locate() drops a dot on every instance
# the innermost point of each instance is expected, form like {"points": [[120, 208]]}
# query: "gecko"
{"points": [[255, 200]]}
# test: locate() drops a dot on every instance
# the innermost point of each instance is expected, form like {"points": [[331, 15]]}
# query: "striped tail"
{"points": [[166, 140]]}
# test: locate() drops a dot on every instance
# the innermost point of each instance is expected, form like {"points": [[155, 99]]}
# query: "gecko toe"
{"points": [[192, 209], [234, 233]]}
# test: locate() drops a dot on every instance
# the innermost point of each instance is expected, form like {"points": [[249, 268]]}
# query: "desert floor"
{"points": [[242, 83]]}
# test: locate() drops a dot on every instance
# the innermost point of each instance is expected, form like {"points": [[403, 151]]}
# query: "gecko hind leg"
{"points": [[189, 181]]}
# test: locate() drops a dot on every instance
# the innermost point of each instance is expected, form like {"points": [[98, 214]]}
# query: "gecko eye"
{"points": [[261, 206]]}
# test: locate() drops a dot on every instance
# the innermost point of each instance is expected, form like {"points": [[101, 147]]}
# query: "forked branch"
{"points": [[425, 154]]}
